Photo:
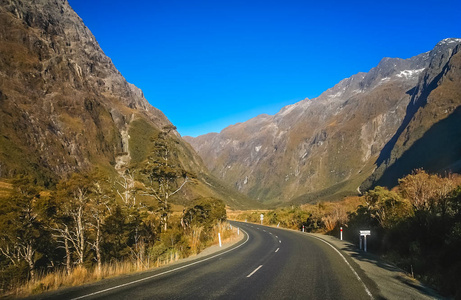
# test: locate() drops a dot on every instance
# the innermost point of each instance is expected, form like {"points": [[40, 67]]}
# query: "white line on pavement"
{"points": [[277, 250], [254, 271], [166, 272], [352, 269]]}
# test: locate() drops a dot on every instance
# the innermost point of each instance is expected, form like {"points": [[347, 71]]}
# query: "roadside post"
{"points": [[262, 218], [364, 233], [341, 234], [219, 237], [303, 228]]}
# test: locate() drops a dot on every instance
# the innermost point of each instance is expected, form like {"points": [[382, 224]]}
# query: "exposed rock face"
{"points": [[64, 104], [430, 134], [64, 107], [326, 145]]}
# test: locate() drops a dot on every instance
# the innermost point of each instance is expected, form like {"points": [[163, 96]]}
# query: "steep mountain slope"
{"points": [[64, 107], [325, 146], [430, 135]]}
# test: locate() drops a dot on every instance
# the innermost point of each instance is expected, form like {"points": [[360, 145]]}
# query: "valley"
{"points": [[95, 182], [349, 138]]}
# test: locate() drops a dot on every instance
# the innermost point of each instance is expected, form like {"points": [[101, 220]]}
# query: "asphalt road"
{"points": [[269, 263]]}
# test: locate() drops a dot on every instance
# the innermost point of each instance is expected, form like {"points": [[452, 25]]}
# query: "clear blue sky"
{"points": [[209, 64]]}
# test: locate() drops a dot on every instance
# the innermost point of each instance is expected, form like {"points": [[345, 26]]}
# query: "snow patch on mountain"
{"points": [[409, 73]]}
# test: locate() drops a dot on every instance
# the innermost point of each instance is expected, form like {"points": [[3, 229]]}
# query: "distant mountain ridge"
{"points": [[65, 108], [327, 147]]}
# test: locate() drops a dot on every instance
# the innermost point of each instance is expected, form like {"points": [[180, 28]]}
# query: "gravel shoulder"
{"points": [[391, 282]]}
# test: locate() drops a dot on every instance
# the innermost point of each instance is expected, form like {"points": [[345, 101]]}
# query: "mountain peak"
{"points": [[329, 145], [449, 41]]}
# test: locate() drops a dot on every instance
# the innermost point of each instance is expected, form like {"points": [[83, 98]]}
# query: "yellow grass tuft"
{"points": [[81, 275]]}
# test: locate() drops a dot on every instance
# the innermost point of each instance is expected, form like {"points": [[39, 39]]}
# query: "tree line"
{"points": [[87, 221], [90, 220]]}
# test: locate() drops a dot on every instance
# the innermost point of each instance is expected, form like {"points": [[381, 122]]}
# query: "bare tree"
{"points": [[128, 193], [99, 208], [62, 236], [70, 228]]}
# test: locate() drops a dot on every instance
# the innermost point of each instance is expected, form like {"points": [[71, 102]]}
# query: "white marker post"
{"points": [[219, 237], [238, 231], [303, 228], [262, 218], [364, 233], [341, 233]]}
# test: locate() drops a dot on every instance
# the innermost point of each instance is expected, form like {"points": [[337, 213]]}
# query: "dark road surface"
{"points": [[269, 263]]}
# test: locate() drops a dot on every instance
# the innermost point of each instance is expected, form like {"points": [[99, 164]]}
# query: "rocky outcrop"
{"points": [[64, 105], [324, 146], [429, 136], [65, 108]]}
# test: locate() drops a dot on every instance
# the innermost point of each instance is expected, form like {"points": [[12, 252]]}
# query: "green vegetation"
{"points": [[91, 225], [139, 144], [85, 227], [417, 225]]}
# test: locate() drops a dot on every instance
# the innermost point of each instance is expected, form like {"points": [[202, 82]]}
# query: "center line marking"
{"points": [[280, 241], [277, 250], [254, 271]]}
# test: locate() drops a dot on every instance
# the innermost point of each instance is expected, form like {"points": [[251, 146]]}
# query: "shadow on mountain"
{"points": [[436, 151], [414, 105]]}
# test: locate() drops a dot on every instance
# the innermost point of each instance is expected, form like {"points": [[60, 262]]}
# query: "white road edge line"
{"points": [[163, 273], [277, 250], [352, 269], [254, 271]]}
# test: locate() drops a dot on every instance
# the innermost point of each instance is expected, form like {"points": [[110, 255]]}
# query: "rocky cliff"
{"points": [[65, 108], [329, 145], [430, 134]]}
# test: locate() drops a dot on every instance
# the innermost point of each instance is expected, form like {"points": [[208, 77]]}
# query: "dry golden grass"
{"points": [[78, 276], [81, 275], [233, 214], [5, 189]]}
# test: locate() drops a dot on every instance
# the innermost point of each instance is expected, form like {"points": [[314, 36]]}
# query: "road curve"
{"points": [[269, 263]]}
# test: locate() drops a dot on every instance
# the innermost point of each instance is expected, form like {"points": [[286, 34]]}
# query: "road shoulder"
{"points": [[392, 282]]}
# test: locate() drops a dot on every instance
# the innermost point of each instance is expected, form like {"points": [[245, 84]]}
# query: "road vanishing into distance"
{"points": [[268, 263]]}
